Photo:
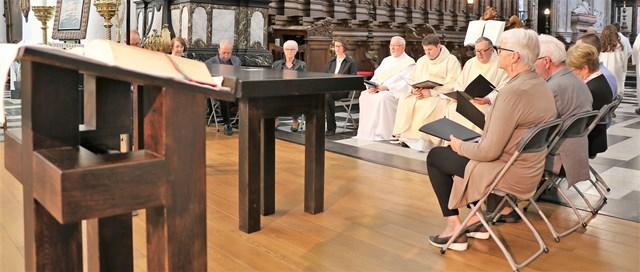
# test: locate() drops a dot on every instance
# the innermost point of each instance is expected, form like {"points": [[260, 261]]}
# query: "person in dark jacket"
{"points": [[290, 62], [339, 64], [583, 59], [225, 48]]}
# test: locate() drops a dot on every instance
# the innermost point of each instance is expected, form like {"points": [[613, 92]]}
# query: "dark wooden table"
{"points": [[263, 95]]}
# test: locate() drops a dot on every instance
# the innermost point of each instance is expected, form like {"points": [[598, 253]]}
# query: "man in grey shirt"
{"points": [[572, 96], [224, 56]]}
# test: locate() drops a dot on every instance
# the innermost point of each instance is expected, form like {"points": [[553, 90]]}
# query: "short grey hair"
{"points": [[484, 39], [225, 42], [290, 42], [401, 39], [552, 48], [523, 41]]}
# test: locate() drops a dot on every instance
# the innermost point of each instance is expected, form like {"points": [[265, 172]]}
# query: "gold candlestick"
{"points": [[107, 9], [43, 14]]}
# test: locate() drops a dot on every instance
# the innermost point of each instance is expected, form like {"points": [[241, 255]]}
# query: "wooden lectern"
{"points": [[69, 175]]}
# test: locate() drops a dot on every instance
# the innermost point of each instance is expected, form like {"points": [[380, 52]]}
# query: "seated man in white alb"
{"points": [[378, 104], [485, 63], [422, 105]]}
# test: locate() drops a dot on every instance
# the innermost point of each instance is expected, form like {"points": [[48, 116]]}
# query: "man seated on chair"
{"points": [[378, 104], [571, 97], [422, 105], [340, 64], [485, 63], [225, 48], [463, 172]]}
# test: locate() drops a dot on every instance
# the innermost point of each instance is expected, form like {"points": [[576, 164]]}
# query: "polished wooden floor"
{"points": [[376, 219]]}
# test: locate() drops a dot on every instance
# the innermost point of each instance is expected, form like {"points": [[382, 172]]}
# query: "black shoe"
{"points": [[460, 244], [295, 126], [477, 231], [638, 111], [228, 130], [512, 217], [330, 133]]}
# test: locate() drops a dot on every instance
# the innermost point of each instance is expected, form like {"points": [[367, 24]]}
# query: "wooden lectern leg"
{"points": [[249, 168], [177, 233], [268, 165], [58, 247], [314, 157], [116, 243]]}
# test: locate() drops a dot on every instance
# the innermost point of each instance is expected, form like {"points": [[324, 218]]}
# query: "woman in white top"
{"points": [[612, 55]]}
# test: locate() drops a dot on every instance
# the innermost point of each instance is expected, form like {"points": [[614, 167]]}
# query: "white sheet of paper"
{"points": [[474, 31], [493, 30]]}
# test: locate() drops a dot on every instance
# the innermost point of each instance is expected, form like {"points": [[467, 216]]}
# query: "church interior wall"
{"points": [[3, 25]]}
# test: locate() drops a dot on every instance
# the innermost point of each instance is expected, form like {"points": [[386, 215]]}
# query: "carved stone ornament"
{"points": [[323, 28], [25, 6]]}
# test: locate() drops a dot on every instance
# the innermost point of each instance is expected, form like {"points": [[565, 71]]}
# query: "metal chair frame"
{"points": [[572, 128], [536, 140], [347, 104]]}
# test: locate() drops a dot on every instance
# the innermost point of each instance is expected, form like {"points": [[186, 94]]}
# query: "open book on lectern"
{"points": [[149, 62], [480, 28]]}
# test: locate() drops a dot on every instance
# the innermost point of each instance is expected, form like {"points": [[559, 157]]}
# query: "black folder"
{"points": [[469, 111], [427, 84], [371, 84], [443, 128], [479, 87]]}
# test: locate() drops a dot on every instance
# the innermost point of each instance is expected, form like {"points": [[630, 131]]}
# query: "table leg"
{"points": [[314, 157], [268, 159], [249, 168]]}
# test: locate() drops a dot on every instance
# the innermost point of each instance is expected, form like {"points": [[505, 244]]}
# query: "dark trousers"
{"points": [[442, 164], [330, 108], [225, 110]]}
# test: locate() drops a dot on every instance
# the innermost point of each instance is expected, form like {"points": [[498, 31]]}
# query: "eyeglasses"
{"points": [[500, 49], [482, 51], [543, 57]]}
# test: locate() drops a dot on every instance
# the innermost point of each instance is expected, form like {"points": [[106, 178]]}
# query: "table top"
{"points": [[248, 82]]}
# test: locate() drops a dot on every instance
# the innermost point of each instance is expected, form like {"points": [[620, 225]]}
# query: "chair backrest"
{"points": [[574, 126], [608, 110], [535, 140], [540, 137]]}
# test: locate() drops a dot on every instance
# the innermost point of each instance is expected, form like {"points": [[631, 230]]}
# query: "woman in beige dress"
{"points": [[462, 172]]}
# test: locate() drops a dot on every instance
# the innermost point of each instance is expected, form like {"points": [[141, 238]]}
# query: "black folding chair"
{"points": [[576, 126], [612, 108], [536, 140]]}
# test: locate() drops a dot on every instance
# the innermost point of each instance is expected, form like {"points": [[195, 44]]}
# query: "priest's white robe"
{"points": [[472, 68], [615, 62], [627, 49], [636, 61], [414, 112], [378, 110]]}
